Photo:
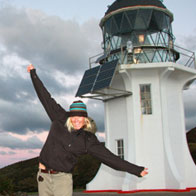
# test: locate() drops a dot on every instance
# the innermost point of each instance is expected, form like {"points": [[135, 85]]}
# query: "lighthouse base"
{"points": [[157, 140], [109, 180]]}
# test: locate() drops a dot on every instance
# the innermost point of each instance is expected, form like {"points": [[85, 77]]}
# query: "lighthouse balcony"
{"points": [[146, 54]]}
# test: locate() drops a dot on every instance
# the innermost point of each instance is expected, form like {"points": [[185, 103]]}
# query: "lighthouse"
{"points": [[140, 77]]}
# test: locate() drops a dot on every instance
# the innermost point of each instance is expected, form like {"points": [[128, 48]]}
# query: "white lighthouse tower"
{"points": [[141, 80]]}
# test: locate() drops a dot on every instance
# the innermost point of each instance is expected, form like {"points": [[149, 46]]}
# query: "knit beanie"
{"points": [[78, 108]]}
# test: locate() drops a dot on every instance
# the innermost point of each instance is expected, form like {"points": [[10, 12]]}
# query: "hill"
{"points": [[191, 139], [21, 176], [191, 136]]}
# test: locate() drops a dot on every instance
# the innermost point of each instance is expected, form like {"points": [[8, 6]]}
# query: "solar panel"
{"points": [[105, 76], [88, 81], [97, 78]]}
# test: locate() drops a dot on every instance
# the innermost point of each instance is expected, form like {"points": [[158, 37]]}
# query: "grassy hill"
{"points": [[21, 176], [191, 136], [191, 139]]}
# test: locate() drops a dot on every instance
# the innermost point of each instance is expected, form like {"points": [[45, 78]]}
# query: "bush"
{"points": [[6, 186]]}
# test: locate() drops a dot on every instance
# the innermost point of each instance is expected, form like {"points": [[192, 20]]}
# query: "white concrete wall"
{"points": [[148, 128], [116, 128], [156, 141], [178, 158]]}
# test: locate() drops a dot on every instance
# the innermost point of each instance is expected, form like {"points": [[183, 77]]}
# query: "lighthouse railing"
{"points": [[187, 57], [173, 54]]}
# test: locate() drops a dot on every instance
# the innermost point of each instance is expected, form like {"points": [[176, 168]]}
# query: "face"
{"points": [[78, 122]]}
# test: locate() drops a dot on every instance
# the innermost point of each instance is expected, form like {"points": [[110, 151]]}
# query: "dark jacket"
{"points": [[62, 148]]}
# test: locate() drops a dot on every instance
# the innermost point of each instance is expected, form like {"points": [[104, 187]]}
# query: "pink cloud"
{"points": [[42, 136], [8, 156]]}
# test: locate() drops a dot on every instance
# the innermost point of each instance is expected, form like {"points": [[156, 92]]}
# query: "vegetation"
{"points": [[192, 148], [191, 139], [6, 186], [21, 176]]}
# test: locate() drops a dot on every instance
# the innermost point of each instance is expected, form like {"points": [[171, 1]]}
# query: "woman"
{"points": [[66, 141]]}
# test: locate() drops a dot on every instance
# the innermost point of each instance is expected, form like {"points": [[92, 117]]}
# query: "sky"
{"points": [[58, 37]]}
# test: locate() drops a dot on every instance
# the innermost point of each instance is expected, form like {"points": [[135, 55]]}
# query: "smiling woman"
{"points": [[68, 139]]}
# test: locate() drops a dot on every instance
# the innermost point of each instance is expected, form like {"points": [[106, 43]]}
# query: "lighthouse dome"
{"points": [[119, 4]]}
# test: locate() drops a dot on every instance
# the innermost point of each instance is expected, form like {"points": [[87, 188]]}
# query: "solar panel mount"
{"points": [[96, 79]]}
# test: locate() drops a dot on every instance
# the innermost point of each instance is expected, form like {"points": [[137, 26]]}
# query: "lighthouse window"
{"points": [[120, 148], [145, 97]]}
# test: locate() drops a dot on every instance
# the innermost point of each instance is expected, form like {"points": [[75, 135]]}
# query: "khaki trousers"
{"points": [[60, 184]]}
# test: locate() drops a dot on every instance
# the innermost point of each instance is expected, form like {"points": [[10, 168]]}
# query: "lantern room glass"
{"points": [[149, 31]]}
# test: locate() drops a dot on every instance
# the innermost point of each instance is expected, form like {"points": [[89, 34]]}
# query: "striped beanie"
{"points": [[78, 108]]}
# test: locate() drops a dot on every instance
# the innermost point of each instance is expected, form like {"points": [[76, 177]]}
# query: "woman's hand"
{"points": [[30, 67], [144, 172]]}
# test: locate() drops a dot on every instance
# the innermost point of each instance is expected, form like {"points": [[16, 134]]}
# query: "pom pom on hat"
{"points": [[78, 108]]}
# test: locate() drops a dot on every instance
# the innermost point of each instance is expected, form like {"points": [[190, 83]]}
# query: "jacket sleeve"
{"points": [[54, 110], [99, 151]]}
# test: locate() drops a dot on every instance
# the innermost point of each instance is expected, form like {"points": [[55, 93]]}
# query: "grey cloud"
{"points": [[17, 89], [47, 41], [51, 44], [11, 153], [190, 108], [96, 111], [7, 153], [9, 141], [18, 110], [54, 87], [100, 138], [187, 42], [191, 42], [20, 118], [95, 36]]}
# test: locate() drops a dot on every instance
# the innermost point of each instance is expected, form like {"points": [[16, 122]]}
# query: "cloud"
{"points": [[20, 118], [3, 153], [96, 111], [101, 136], [188, 41], [7, 153], [58, 48], [47, 41], [8, 141], [190, 107]]}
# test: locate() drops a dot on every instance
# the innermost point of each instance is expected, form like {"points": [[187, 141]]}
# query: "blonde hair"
{"points": [[87, 125]]}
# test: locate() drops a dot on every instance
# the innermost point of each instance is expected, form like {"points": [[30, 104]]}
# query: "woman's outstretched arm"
{"points": [[53, 109]]}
